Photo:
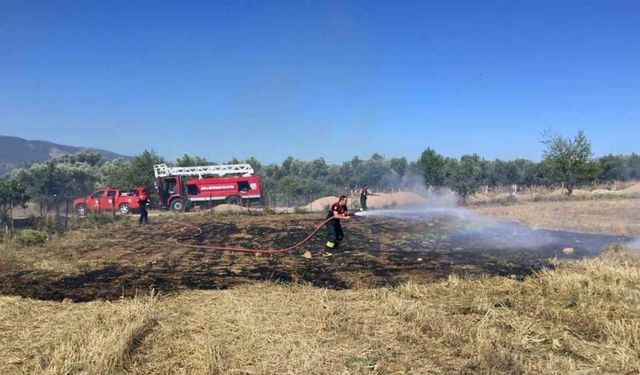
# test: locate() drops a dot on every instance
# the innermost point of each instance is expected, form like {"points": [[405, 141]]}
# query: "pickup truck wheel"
{"points": [[177, 205], [234, 199], [124, 208], [81, 209]]}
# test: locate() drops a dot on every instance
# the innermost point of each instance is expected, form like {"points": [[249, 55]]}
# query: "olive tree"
{"points": [[190, 161], [568, 160], [464, 176], [12, 194], [432, 167]]}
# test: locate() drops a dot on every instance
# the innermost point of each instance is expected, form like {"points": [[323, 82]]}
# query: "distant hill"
{"points": [[16, 152]]}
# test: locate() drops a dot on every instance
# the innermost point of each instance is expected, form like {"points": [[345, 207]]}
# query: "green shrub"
{"points": [[102, 219], [125, 224], [45, 224], [31, 237]]}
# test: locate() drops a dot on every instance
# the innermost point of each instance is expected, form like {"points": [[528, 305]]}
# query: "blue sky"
{"points": [[328, 79]]}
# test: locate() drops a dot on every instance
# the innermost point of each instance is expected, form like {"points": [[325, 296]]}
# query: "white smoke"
{"points": [[441, 204], [635, 244], [442, 199], [464, 222], [490, 233], [486, 232]]}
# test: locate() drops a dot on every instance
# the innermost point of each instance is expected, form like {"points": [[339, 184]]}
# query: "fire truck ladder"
{"points": [[163, 170]]}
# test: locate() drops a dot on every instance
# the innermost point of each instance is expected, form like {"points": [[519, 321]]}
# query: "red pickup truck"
{"points": [[109, 199]]}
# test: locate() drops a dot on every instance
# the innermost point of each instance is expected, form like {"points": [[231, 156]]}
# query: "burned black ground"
{"points": [[377, 252]]}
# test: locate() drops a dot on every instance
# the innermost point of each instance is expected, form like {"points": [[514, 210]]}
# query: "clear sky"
{"points": [[328, 79]]}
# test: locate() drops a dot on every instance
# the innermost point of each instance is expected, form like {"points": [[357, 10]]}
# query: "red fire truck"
{"points": [[182, 187], [108, 199]]}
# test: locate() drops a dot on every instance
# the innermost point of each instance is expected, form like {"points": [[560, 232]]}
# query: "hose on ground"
{"points": [[235, 249]]}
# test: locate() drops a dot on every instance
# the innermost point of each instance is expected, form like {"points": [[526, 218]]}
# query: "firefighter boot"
{"points": [[329, 246]]}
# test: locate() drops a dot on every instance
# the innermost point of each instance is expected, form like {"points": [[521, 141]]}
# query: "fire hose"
{"points": [[235, 249]]}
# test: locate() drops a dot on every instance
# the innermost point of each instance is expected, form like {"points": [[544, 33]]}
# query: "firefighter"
{"points": [[337, 211], [143, 200], [364, 193]]}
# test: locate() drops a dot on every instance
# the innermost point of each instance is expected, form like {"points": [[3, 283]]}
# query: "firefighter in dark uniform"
{"points": [[143, 200], [337, 211], [364, 193]]}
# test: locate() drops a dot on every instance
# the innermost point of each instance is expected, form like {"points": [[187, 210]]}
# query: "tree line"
{"points": [[566, 162]]}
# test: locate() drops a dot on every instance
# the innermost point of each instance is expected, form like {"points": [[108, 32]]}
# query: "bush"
{"points": [[102, 219], [125, 224], [31, 237], [45, 224], [97, 220]]}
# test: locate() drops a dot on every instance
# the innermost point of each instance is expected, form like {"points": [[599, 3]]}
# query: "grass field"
{"points": [[613, 216], [584, 315], [579, 317]]}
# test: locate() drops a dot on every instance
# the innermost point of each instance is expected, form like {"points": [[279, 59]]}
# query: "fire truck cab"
{"points": [[182, 187]]}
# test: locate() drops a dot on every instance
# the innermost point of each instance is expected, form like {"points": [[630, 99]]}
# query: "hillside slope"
{"points": [[15, 152]]}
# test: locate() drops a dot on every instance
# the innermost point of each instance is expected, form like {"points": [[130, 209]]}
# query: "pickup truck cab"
{"points": [[108, 199]]}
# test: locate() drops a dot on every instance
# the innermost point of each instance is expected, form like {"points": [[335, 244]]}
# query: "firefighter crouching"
{"points": [[143, 200], [337, 211]]}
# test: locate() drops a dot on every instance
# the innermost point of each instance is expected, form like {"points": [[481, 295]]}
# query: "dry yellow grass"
{"points": [[614, 216], [584, 315], [44, 256], [627, 189], [54, 338]]}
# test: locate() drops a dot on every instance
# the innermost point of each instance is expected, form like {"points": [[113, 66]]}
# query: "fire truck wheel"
{"points": [[177, 205], [234, 199], [81, 209], [124, 209]]}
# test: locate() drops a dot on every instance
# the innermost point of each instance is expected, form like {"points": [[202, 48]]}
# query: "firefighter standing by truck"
{"points": [[338, 212], [143, 200]]}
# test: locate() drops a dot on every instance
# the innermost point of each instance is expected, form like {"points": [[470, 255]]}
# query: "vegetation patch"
{"points": [[31, 237]]}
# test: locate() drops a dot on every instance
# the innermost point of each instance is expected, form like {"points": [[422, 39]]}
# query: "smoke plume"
{"points": [[484, 232]]}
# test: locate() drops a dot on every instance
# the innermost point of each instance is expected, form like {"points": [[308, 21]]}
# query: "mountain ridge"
{"points": [[16, 152]]}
